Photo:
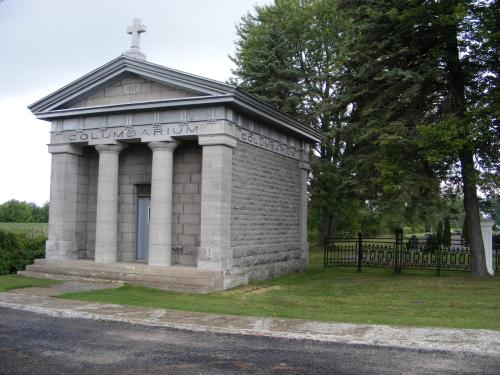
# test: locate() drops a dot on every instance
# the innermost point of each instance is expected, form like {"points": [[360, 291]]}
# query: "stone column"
{"points": [[106, 232], [486, 231], [216, 181], [304, 245], [61, 243], [160, 226]]}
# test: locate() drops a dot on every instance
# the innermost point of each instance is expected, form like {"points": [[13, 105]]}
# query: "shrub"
{"points": [[17, 250], [14, 211]]}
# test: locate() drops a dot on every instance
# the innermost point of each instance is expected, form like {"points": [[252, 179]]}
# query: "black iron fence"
{"points": [[399, 253]]}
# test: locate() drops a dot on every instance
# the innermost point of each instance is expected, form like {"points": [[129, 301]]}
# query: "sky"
{"points": [[46, 44]]}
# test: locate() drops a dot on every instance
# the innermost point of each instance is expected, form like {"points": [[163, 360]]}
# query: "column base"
{"points": [[102, 259], [160, 263], [215, 258], [61, 250]]}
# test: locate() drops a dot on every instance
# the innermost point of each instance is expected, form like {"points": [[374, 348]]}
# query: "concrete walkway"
{"points": [[472, 341]]}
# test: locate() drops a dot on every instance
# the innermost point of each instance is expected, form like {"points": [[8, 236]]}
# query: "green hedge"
{"points": [[17, 250]]}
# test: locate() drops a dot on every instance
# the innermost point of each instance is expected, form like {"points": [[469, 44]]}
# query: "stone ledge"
{"points": [[175, 278]]}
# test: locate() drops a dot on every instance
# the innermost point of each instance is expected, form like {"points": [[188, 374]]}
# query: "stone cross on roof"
{"points": [[135, 30]]}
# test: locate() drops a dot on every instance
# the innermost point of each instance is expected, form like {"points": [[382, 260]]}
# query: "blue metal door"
{"points": [[143, 216]]}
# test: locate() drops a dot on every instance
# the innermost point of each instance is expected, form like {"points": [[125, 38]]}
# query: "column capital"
{"points": [[64, 148], [217, 140], [110, 147], [164, 145]]}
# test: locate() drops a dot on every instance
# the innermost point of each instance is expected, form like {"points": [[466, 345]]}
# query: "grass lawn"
{"points": [[25, 227], [16, 281], [375, 296]]}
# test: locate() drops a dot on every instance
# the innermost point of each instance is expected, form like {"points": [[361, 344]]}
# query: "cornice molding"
{"points": [[217, 140], [64, 148], [211, 92]]}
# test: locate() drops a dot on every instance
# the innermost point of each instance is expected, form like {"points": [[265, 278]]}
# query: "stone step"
{"points": [[178, 271], [119, 274], [186, 260], [182, 274], [175, 278]]}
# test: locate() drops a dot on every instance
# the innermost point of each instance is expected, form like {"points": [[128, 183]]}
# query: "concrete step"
{"points": [[175, 278]]}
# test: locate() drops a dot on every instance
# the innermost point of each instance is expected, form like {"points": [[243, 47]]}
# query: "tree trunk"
{"points": [[456, 80], [472, 218]]}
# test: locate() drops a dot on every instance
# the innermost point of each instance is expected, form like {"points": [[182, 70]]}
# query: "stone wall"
{"points": [[86, 202], [265, 212], [93, 164], [132, 88], [134, 180], [265, 201], [82, 188], [186, 207]]}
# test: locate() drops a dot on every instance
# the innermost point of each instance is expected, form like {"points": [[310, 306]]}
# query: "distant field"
{"points": [[24, 227]]}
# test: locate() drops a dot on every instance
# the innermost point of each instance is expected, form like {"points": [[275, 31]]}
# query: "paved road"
{"points": [[37, 344]]}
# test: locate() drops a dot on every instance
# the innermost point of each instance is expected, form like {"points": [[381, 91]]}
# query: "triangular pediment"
{"points": [[126, 80], [130, 85], [131, 88]]}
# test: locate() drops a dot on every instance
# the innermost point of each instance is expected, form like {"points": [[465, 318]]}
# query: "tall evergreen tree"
{"points": [[405, 92], [422, 82]]}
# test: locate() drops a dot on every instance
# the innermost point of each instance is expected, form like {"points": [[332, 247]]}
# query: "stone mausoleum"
{"points": [[172, 180]]}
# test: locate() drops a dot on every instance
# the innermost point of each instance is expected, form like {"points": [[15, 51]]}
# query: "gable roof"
{"points": [[210, 92]]}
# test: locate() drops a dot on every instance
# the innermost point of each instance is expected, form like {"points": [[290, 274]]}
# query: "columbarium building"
{"points": [[172, 180]]}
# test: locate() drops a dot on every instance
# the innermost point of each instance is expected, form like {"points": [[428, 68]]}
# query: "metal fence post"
{"points": [[396, 253], [360, 250], [401, 249], [325, 255], [398, 250], [438, 255]]}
